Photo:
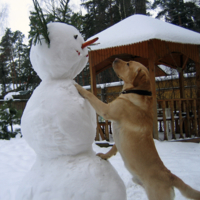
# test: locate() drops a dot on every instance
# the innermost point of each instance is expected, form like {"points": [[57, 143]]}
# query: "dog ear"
{"points": [[136, 75], [142, 79]]}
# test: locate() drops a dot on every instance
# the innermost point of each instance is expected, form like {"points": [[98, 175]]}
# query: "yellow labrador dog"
{"points": [[132, 117]]}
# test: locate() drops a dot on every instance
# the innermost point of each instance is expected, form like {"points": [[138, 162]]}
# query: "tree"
{"points": [[102, 14], [9, 116], [15, 66], [140, 7], [28, 77], [6, 57], [185, 14], [3, 74]]}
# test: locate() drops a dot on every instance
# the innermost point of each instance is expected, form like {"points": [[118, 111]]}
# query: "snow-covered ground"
{"points": [[183, 159]]}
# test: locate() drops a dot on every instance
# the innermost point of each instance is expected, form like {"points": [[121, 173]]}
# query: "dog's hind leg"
{"points": [[160, 193]]}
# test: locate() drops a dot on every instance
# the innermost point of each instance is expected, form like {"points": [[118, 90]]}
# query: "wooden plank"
{"points": [[197, 64], [164, 121], [187, 123], [181, 84], [172, 119], [97, 130], [134, 49], [151, 64], [145, 49], [194, 110], [185, 63], [180, 119], [129, 50], [141, 47], [107, 131], [101, 133]]}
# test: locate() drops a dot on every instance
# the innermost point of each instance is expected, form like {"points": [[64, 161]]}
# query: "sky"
{"points": [[18, 15]]}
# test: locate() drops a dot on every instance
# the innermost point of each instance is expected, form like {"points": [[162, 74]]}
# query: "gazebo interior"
{"points": [[180, 114]]}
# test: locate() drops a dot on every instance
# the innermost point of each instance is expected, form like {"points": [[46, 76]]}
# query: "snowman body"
{"points": [[60, 126]]}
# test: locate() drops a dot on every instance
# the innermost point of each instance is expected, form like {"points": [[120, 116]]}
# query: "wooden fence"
{"points": [[177, 118], [19, 101]]}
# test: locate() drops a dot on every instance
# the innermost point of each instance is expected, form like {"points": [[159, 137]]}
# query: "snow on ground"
{"points": [[183, 159]]}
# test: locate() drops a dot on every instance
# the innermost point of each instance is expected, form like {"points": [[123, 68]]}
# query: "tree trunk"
{"points": [[140, 7]]}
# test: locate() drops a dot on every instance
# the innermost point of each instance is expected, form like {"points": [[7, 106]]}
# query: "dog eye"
{"points": [[75, 36], [128, 64]]}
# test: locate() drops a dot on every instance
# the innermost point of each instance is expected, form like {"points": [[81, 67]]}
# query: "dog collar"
{"points": [[140, 92]]}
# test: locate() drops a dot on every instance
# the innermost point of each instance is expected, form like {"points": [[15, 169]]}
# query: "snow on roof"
{"points": [[138, 28]]}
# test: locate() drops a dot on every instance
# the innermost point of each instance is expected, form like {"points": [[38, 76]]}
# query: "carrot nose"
{"points": [[85, 44]]}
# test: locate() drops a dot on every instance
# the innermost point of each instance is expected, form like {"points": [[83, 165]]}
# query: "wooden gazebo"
{"points": [[151, 42]]}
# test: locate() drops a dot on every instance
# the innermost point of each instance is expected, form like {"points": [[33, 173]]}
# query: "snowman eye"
{"points": [[75, 36]]}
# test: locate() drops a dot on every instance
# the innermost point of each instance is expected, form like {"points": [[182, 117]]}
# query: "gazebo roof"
{"points": [[139, 28]]}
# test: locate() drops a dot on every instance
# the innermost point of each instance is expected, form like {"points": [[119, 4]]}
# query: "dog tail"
{"points": [[185, 189]]}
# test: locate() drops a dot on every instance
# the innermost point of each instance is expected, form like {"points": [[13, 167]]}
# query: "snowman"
{"points": [[60, 126]]}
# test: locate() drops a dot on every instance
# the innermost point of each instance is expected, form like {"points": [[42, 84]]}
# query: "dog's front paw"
{"points": [[103, 156]]}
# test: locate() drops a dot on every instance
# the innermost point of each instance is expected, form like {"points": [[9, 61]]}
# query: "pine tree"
{"points": [[57, 11], [28, 77], [38, 24], [9, 116], [185, 14], [14, 61], [140, 7], [6, 52]]}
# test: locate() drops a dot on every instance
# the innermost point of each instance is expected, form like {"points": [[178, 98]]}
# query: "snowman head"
{"points": [[65, 58]]}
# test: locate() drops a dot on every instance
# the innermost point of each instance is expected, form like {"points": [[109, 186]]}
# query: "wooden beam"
{"points": [[94, 91], [181, 85], [93, 77], [151, 65], [185, 63], [181, 78], [197, 65]]}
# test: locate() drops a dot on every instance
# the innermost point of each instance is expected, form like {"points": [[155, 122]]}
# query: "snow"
{"points": [[105, 85], [60, 126], [10, 95], [17, 158], [138, 28]]}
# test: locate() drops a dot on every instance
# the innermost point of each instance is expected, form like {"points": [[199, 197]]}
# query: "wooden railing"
{"points": [[104, 130], [177, 118]]}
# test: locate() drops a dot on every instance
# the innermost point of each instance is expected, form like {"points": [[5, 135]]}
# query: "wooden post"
{"points": [[180, 119], [197, 65], [151, 64], [92, 76], [195, 118], [187, 124], [172, 119], [164, 121], [181, 84], [94, 91], [107, 131]]}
